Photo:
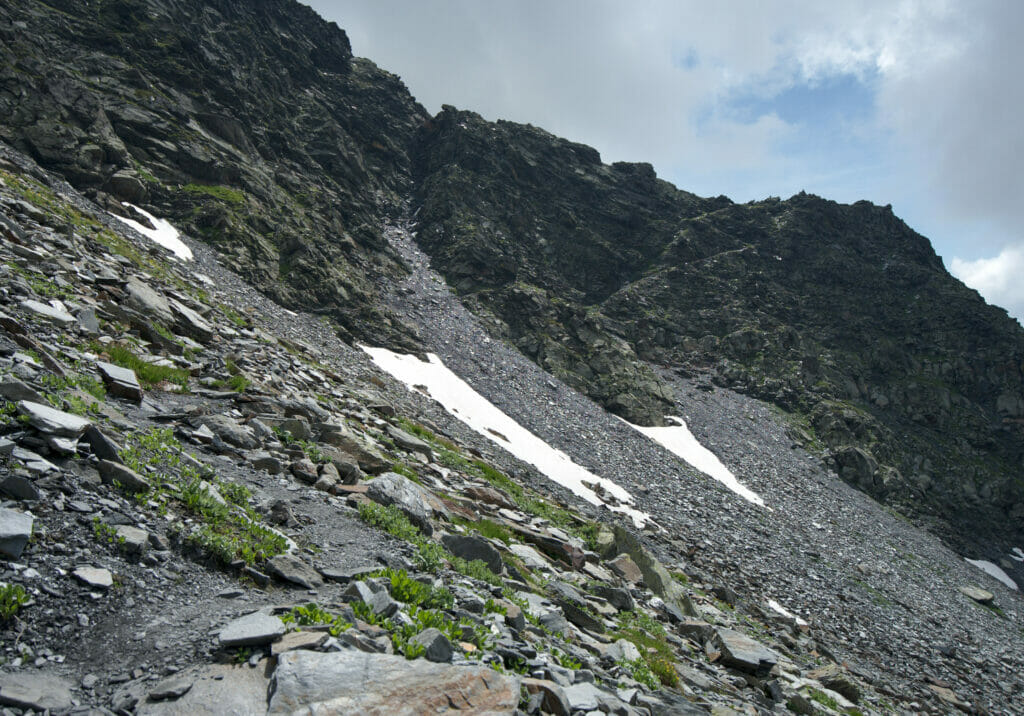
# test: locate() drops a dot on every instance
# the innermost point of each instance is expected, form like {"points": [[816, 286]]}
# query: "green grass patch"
{"points": [[217, 191], [149, 374], [12, 598]]}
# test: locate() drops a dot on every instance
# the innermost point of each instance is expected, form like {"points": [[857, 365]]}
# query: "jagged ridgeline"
{"points": [[251, 124]]}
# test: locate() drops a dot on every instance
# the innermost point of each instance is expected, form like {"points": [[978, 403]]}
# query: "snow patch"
{"points": [[995, 571], [776, 607], [1017, 554], [679, 440], [434, 379], [164, 233]]}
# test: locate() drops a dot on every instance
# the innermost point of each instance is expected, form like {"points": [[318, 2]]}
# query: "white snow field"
{"points": [[164, 234], [995, 571], [679, 440], [459, 399]]}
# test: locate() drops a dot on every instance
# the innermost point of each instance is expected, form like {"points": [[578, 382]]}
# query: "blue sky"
{"points": [[914, 103]]}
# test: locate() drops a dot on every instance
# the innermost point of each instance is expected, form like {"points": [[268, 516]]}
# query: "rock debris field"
{"points": [[214, 505]]}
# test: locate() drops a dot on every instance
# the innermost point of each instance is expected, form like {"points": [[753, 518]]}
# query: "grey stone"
{"points": [[471, 547], [354, 682], [623, 650], [228, 430], [126, 185], [94, 577], [981, 596], [20, 488], [173, 688], [51, 421], [88, 321], [553, 699], [743, 653], [584, 696], [530, 557], [358, 591], [120, 382], [35, 463], [37, 691], [410, 442], [149, 302], [299, 640], [294, 570], [133, 540], [14, 390], [266, 461], [113, 472], [102, 446], [254, 629], [49, 312], [436, 646], [191, 323], [398, 490], [382, 604], [304, 470], [217, 690], [619, 598], [15, 530]]}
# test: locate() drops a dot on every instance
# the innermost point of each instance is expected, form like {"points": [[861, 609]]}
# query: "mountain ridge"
{"points": [[287, 153]]}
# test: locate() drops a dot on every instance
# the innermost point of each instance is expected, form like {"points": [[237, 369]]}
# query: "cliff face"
{"points": [[251, 125], [904, 379], [248, 124]]}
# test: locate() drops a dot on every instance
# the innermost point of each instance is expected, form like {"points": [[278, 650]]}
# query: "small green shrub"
{"points": [[149, 374], [12, 598]]}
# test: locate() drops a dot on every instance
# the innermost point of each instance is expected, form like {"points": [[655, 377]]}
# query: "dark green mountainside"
{"points": [[251, 125]]}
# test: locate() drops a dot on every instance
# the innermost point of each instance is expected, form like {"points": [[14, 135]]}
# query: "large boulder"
{"points": [[355, 682], [398, 490]]}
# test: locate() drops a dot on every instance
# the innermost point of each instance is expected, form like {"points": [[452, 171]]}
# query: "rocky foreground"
{"points": [[213, 505]]}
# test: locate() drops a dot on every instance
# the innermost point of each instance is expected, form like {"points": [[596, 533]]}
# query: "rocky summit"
{"points": [[215, 499]]}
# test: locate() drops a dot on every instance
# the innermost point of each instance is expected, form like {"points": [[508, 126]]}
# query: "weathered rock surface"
{"points": [[381, 685]]}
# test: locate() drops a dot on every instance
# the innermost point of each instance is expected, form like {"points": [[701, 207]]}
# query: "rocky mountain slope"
{"points": [[840, 315], [181, 450], [252, 126], [213, 505]]}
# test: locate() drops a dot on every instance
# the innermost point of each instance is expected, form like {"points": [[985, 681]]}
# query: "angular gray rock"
{"points": [[94, 577], [981, 596], [292, 569], [15, 530], [14, 390], [254, 629], [115, 473], [120, 382], [133, 540], [436, 646], [410, 442], [398, 490], [217, 690], [149, 302], [35, 690], [20, 488], [744, 653], [102, 446], [354, 682], [471, 547], [49, 312], [51, 421]]}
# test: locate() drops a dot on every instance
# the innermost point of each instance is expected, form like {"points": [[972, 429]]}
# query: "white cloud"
{"points": [[997, 279]]}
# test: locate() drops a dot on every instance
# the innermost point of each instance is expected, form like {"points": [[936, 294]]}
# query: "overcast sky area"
{"points": [[917, 104]]}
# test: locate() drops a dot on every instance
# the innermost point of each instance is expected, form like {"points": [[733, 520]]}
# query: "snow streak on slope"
{"points": [[995, 571], [459, 399], [164, 234], [679, 440]]}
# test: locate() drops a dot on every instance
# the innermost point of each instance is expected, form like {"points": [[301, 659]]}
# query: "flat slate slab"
{"points": [[15, 529], [120, 382], [254, 629], [51, 421], [217, 690], [94, 577], [741, 652], [38, 691], [355, 682], [48, 312]]}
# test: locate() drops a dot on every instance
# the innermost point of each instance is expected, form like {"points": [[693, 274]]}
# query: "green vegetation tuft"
{"points": [[218, 192], [149, 374], [12, 598]]}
